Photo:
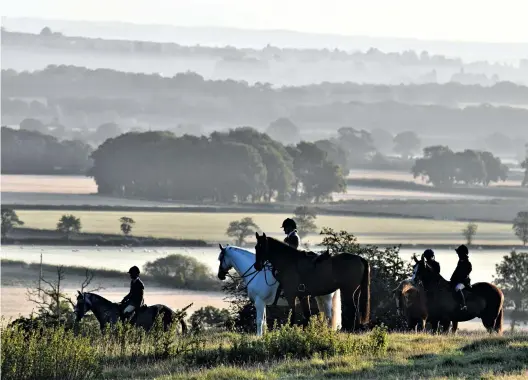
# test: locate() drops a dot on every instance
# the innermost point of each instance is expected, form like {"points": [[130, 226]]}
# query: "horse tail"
{"points": [[499, 322], [336, 309], [364, 301]]}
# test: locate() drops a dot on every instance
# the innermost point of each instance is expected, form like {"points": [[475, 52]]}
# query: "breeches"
{"points": [[129, 309]]}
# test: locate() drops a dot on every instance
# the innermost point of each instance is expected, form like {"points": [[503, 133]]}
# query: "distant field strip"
{"points": [[48, 184], [212, 226]]}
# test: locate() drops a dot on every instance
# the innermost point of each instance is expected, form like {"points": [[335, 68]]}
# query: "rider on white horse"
{"points": [[261, 285]]}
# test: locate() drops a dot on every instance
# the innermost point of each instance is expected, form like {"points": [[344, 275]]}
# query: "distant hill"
{"points": [[219, 36]]}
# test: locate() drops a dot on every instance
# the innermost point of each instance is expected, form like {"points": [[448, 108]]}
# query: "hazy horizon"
{"points": [[409, 19]]}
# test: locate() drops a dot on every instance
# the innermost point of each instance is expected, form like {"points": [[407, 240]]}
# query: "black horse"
{"points": [[108, 312]]}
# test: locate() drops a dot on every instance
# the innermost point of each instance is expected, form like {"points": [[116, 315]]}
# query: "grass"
{"points": [[285, 353], [212, 226]]}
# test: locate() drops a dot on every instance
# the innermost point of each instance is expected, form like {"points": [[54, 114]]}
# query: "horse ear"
{"points": [[257, 235], [264, 235], [221, 248], [79, 292]]}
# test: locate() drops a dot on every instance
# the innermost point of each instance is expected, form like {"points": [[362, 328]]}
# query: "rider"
{"points": [[460, 278], [430, 258], [134, 299], [293, 240], [290, 229]]}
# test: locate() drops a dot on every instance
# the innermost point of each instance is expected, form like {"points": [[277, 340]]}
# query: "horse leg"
{"points": [[421, 324], [260, 306], [445, 326], [291, 303], [324, 303], [434, 325], [349, 309], [454, 328], [305, 306]]}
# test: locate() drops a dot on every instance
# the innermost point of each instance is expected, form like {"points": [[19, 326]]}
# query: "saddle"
{"points": [[320, 258]]}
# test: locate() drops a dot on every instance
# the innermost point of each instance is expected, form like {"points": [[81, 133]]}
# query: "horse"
{"points": [[484, 300], [411, 304], [303, 274], [108, 312], [262, 286]]}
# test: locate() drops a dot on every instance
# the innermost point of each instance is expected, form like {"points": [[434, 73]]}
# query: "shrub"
{"points": [[50, 353], [181, 271], [293, 342]]}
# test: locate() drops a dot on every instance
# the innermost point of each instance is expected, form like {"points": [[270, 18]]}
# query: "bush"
{"points": [[181, 271], [47, 354], [292, 342], [209, 317], [387, 270]]}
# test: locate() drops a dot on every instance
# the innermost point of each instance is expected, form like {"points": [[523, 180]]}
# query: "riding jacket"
{"points": [[135, 296], [435, 265], [293, 239], [461, 273]]}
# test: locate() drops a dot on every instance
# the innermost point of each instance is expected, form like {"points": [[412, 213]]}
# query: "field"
{"points": [[48, 184], [212, 226]]}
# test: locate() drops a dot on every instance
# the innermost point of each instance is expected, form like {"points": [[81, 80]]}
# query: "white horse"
{"points": [[262, 286]]}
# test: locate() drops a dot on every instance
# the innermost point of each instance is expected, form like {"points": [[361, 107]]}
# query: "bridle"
{"points": [[266, 266]]}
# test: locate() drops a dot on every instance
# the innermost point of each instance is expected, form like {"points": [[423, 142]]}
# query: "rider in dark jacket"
{"points": [[430, 258], [460, 278], [293, 240], [134, 299], [290, 229]]}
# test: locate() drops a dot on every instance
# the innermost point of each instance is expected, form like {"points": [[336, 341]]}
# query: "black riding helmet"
{"points": [[428, 254], [289, 223], [462, 250], [134, 270]]}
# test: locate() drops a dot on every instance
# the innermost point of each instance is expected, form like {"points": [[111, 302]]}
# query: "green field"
{"points": [[212, 226]]}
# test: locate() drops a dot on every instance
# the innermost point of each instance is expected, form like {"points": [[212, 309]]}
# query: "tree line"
{"points": [[28, 152], [189, 97], [443, 167], [239, 165], [56, 40]]}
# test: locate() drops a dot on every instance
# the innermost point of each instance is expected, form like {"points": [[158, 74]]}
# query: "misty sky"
{"points": [[457, 20]]}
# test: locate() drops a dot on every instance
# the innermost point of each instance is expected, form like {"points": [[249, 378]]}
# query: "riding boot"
{"points": [[462, 300]]}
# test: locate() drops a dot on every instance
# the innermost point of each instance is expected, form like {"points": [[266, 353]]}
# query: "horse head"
{"points": [[224, 266], [84, 305], [261, 251]]}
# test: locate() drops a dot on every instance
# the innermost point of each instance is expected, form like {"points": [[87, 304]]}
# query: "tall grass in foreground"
{"points": [[55, 353]]}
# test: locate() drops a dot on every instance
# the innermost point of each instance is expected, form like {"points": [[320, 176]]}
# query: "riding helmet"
{"points": [[289, 223], [462, 250], [134, 270], [428, 254]]}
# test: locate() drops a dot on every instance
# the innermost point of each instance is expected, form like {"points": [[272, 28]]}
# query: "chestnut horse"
{"points": [[301, 276]]}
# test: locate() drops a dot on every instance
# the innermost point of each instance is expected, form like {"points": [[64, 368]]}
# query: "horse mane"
{"points": [[239, 249], [435, 275], [289, 248], [100, 298]]}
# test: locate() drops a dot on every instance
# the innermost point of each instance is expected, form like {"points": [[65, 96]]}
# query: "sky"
{"points": [[449, 20]]}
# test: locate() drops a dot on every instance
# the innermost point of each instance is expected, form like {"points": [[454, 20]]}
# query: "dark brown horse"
{"points": [[411, 303], [483, 300], [301, 276]]}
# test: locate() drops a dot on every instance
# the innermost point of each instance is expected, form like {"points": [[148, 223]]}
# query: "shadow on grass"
{"points": [[492, 355]]}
